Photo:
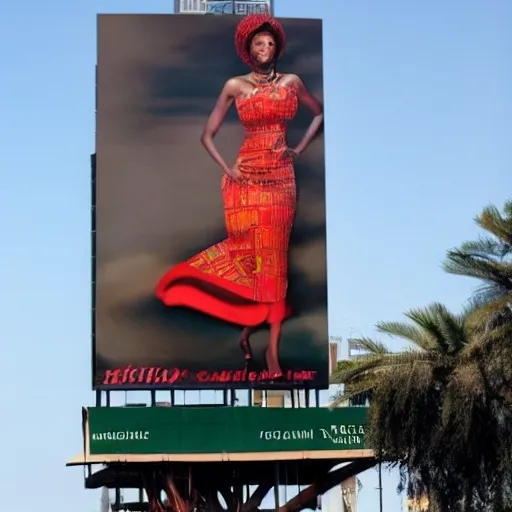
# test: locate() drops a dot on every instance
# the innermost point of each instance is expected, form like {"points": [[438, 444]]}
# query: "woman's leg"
{"points": [[245, 343], [272, 354]]}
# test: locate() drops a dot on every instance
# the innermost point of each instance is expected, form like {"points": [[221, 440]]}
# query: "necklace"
{"points": [[264, 79]]}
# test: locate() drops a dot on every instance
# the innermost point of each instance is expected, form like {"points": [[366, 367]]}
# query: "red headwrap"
{"points": [[248, 26]]}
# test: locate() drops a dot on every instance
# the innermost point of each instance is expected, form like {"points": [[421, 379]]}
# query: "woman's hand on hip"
{"points": [[290, 153], [234, 172]]}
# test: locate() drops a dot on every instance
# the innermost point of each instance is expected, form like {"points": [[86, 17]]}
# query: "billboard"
{"points": [[204, 277], [180, 430]]}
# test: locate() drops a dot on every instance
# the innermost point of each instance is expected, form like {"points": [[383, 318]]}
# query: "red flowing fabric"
{"points": [[244, 278]]}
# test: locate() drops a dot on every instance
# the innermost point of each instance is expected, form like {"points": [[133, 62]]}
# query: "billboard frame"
{"points": [[257, 384]]}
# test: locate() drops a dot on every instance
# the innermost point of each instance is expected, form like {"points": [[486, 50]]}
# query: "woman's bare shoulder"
{"points": [[234, 85], [291, 80]]}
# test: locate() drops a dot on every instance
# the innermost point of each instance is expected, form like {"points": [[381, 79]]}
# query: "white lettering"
{"points": [[128, 435], [336, 434], [286, 435], [343, 434]]}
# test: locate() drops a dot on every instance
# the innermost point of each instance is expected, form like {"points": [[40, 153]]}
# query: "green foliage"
{"points": [[489, 260], [442, 410]]}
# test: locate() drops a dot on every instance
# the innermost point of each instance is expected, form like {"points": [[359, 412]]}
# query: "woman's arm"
{"points": [[215, 120], [309, 101]]}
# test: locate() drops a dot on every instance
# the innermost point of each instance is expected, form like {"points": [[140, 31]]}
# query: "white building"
{"points": [[238, 7]]}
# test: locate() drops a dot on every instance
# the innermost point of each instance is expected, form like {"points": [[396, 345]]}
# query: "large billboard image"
{"points": [[209, 203]]}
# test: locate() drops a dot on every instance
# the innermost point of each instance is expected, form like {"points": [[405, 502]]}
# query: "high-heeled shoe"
{"points": [[273, 375]]}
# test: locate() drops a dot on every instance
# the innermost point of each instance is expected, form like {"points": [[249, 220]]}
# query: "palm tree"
{"points": [[429, 411], [488, 259]]}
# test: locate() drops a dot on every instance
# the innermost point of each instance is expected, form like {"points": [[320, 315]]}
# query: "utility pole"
{"points": [[380, 485]]}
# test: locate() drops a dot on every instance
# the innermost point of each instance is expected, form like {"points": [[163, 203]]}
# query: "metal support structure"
{"points": [[276, 486], [305, 495], [230, 398], [183, 488]]}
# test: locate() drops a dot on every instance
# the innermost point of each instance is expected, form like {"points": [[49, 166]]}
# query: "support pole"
{"points": [[380, 486], [276, 485]]}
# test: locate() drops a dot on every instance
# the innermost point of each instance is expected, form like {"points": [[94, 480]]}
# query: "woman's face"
{"points": [[263, 48]]}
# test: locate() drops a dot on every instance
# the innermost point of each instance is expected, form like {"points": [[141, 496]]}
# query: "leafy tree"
{"points": [[434, 409], [488, 259]]}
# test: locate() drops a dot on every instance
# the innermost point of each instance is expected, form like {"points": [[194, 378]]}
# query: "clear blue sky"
{"points": [[418, 124]]}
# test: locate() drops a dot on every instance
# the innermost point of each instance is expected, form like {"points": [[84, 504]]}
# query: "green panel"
{"points": [[150, 430]]}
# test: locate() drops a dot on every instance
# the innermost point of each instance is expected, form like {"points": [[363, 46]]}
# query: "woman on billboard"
{"points": [[244, 278]]}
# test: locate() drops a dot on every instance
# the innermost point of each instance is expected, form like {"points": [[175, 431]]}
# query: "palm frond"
{"points": [[489, 292], [373, 372], [375, 366], [490, 338], [428, 319], [493, 222], [371, 346], [453, 328], [356, 370], [465, 264], [407, 332], [363, 388], [485, 248], [490, 313], [507, 208], [472, 305]]}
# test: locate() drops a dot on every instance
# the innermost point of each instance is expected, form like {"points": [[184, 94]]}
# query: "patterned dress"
{"points": [[244, 278]]}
